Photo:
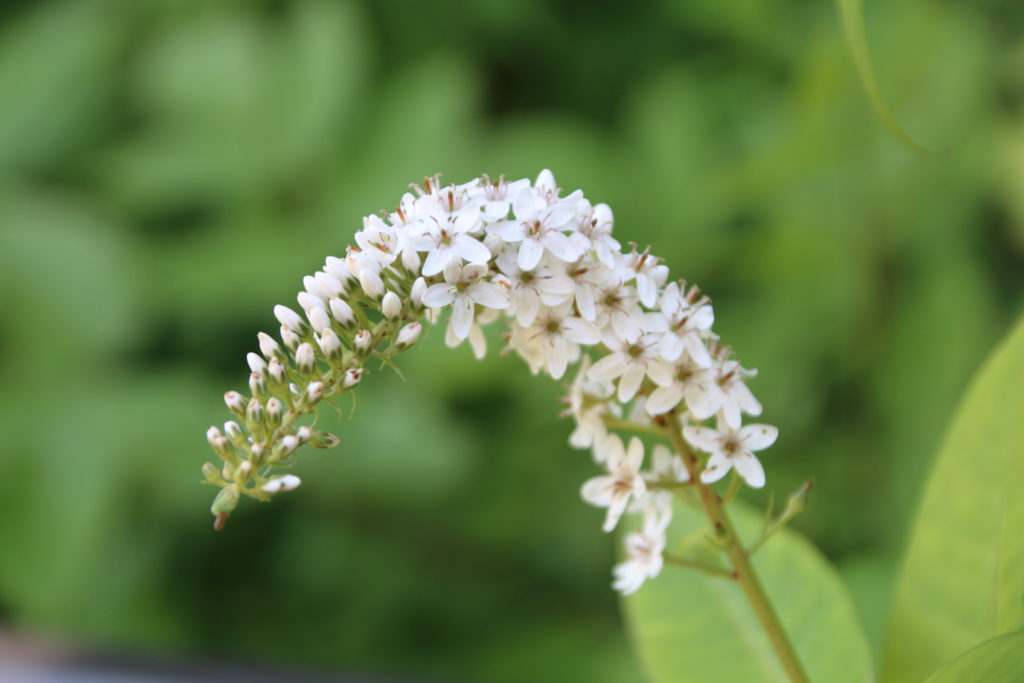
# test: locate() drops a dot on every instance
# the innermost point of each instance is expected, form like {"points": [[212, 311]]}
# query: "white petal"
{"points": [[557, 357], [655, 322], [703, 438], [718, 467], [664, 399], [758, 437], [635, 455], [580, 331], [470, 249], [530, 253], [647, 289], [527, 304], [663, 374], [598, 491], [437, 259], [749, 468], [438, 295], [585, 302], [608, 368], [698, 352], [462, 316], [615, 510], [703, 402], [488, 294], [477, 342], [510, 231], [561, 246], [731, 413], [671, 347], [629, 383]]}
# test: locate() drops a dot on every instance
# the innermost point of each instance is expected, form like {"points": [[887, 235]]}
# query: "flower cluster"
{"points": [[550, 267]]}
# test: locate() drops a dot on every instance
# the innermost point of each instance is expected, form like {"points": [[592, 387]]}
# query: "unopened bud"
{"points": [[254, 413], [234, 432], [285, 447], [391, 306], [353, 376], [305, 358], [290, 339], [288, 482], [371, 283], [330, 344], [362, 341], [211, 473], [416, 293], [319, 320], [309, 302], [342, 312], [274, 411], [315, 391], [408, 335], [243, 471], [235, 403], [223, 505], [256, 362], [322, 439], [304, 433], [337, 267], [268, 346], [328, 285], [276, 371], [256, 452], [291, 320], [257, 384]]}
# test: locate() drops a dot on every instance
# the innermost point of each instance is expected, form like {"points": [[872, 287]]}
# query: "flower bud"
{"points": [[211, 473], [342, 312], [319, 320], [391, 306], [362, 341], [235, 403], [338, 268], [313, 287], [234, 432], [352, 377], [256, 362], [254, 414], [285, 447], [305, 358], [416, 293], [288, 482], [290, 339], [315, 391], [274, 412], [276, 371], [309, 302], [330, 344], [268, 346], [328, 285], [291, 320], [225, 502], [304, 433], [322, 439], [408, 335], [243, 471], [257, 384], [371, 283], [256, 452]]}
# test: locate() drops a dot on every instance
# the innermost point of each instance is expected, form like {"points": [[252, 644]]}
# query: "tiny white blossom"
{"points": [[464, 287], [644, 554], [730, 447], [623, 480], [684, 326], [630, 362]]}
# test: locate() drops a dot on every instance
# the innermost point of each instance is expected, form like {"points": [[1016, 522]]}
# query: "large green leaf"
{"points": [[999, 659], [691, 626], [964, 572]]}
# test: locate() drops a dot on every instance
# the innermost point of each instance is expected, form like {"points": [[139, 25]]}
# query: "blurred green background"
{"points": [[170, 169]]}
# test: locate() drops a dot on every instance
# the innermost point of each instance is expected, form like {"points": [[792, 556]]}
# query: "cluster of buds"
{"points": [[549, 266]]}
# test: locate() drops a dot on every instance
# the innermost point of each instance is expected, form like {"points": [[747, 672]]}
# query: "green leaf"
{"points": [[963, 576], [692, 626], [998, 659], [852, 14]]}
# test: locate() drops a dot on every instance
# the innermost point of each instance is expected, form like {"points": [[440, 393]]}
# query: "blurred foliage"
{"points": [[169, 169]]}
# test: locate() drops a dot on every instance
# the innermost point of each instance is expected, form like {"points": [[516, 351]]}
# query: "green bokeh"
{"points": [[170, 169]]}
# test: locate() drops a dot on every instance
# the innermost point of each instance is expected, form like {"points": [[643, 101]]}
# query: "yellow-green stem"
{"points": [[743, 570]]}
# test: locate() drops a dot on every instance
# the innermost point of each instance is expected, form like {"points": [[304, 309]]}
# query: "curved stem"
{"points": [[743, 570]]}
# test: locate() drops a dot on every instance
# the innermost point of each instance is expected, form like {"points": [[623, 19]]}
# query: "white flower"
{"points": [[648, 274], [730, 447], [631, 362], [688, 381], [449, 242], [733, 395], [538, 227], [623, 480], [619, 306], [643, 554], [684, 326], [561, 333], [531, 288], [667, 468], [464, 287], [597, 228], [588, 405]]}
